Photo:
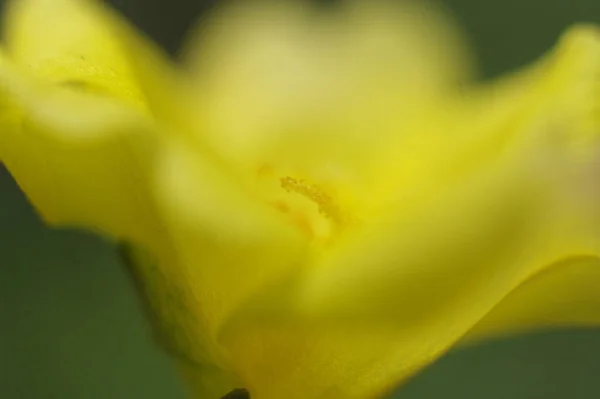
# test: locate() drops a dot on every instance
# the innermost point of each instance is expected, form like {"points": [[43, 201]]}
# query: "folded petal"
{"points": [[77, 143], [82, 93], [565, 293], [84, 44], [222, 245], [562, 295], [70, 42], [229, 244], [82, 160]]}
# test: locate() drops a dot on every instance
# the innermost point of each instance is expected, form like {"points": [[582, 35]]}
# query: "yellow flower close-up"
{"points": [[313, 204]]}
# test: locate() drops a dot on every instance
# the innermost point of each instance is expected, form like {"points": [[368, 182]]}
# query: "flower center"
{"points": [[324, 202], [313, 208]]}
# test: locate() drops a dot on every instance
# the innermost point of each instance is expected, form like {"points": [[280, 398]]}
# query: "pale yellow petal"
{"points": [[317, 95]]}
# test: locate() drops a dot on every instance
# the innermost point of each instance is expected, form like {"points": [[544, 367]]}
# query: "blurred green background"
{"points": [[71, 326]]}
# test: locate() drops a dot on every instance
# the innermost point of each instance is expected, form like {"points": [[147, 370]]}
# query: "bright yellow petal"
{"points": [[84, 44], [82, 160], [70, 42], [78, 83], [77, 142]]}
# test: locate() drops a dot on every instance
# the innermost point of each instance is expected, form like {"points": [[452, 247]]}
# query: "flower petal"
{"points": [[562, 295], [298, 360], [82, 160], [170, 308], [84, 44], [70, 42], [83, 97], [317, 95], [223, 245]]}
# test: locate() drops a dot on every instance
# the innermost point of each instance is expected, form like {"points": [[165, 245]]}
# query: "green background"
{"points": [[71, 326]]}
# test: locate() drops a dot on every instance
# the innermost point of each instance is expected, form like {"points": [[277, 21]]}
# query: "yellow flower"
{"points": [[318, 205]]}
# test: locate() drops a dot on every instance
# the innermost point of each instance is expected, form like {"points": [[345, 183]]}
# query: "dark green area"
{"points": [[71, 327]]}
